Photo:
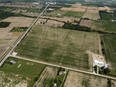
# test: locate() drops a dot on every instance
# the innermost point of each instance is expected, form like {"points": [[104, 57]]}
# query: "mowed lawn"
{"points": [[24, 69], [59, 46], [110, 51]]}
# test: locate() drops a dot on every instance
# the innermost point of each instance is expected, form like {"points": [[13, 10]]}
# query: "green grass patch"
{"points": [[19, 29], [74, 14], [26, 70], [56, 13], [106, 25], [109, 26], [107, 16]]}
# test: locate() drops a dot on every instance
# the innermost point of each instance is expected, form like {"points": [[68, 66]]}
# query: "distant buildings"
{"points": [[51, 3], [90, 0]]}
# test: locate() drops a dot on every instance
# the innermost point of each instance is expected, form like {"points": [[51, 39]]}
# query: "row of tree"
{"points": [[4, 24], [76, 27]]}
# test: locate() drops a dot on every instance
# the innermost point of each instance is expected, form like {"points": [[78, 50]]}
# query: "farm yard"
{"points": [[59, 46], [92, 13], [109, 42], [20, 74], [49, 77], [75, 79], [6, 36]]}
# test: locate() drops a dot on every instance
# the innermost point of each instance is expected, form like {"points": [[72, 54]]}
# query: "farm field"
{"points": [[92, 13], [50, 22], [104, 8], [75, 79], [74, 14], [7, 37], [59, 46], [107, 16], [75, 8], [20, 74], [47, 77], [87, 23], [61, 14], [109, 26], [105, 26], [22, 21], [110, 51], [56, 13]]}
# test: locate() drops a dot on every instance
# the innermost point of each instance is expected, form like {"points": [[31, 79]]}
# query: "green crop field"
{"points": [[109, 26], [56, 13], [105, 25], [74, 14], [110, 51], [105, 16], [27, 69], [59, 46]]}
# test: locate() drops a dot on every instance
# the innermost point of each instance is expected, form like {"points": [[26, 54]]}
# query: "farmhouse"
{"points": [[50, 9], [98, 60]]}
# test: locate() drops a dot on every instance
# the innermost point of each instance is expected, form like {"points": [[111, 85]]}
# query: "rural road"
{"points": [[13, 46], [68, 68]]}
